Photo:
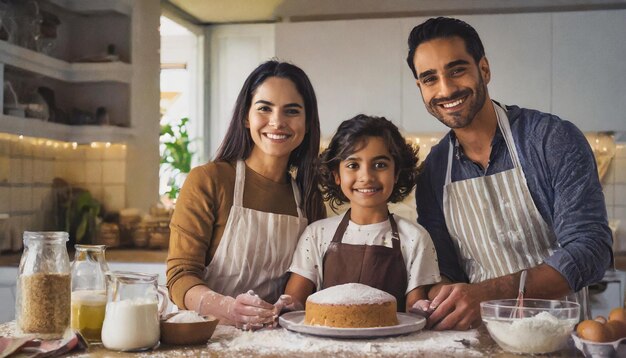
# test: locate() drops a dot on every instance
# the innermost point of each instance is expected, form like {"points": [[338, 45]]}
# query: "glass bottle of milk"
{"points": [[131, 321], [89, 291]]}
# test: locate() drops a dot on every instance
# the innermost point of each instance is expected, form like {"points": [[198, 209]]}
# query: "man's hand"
{"points": [[457, 307]]}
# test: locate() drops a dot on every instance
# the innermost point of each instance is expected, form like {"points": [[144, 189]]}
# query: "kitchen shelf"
{"points": [[88, 7], [36, 62], [30, 127]]}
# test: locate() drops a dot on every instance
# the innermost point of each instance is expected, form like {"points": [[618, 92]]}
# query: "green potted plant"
{"points": [[77, 212], [81, 219], [175, 155]]}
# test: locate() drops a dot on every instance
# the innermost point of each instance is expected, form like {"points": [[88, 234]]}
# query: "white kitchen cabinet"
{"points": [[8, 276], [76, 85], [590, 71], [355, 66]]}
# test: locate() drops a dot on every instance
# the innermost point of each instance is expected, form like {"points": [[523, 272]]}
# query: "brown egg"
{"points": [[618, 314], [593, 331], [616, 329]]}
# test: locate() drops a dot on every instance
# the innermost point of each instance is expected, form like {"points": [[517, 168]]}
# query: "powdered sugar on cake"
{"points": [[351, 293]]}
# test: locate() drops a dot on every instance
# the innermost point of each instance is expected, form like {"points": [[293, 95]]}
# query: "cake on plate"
{"points": [[351, 305]]}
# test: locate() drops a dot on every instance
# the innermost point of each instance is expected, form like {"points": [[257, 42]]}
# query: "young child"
{"points": [[368, 164]]}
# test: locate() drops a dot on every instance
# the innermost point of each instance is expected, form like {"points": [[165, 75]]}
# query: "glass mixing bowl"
{"points": [[540, 326]]}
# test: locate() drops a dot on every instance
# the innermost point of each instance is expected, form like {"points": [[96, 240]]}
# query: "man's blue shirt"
{"points": [[562, 177]]}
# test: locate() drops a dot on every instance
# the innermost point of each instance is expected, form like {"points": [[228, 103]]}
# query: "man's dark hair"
{"points": [[444, 27]]}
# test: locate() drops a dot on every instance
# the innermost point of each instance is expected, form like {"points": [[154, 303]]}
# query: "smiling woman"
{"points": [[229, 248], [277, 123]]}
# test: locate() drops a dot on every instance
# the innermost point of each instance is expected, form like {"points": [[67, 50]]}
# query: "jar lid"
{"points": [[53, 237]]}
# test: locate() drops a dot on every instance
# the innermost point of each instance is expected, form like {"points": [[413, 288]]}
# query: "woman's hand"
{"points": [[246, 311]]}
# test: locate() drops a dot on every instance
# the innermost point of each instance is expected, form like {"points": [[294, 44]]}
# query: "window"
{"points": [[182, 93]]}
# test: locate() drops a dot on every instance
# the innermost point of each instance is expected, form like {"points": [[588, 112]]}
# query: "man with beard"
{"points": [[508, 190]]}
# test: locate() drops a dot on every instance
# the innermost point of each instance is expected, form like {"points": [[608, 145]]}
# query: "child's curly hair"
{"points": [[351, 136]]}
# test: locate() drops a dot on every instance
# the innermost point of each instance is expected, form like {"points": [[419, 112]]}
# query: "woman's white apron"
{"points": [[256, 248]]}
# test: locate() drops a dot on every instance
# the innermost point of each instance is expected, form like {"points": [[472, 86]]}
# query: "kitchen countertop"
{"points": [[112, 255], [230, 342]]}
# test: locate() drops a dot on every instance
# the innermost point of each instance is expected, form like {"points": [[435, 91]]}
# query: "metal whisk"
{"points": [[518, 311]]}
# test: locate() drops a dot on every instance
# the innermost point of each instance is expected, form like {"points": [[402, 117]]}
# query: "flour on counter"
{"points": [[280, 342]]}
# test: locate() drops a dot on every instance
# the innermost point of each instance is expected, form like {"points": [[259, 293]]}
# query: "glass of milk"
{"points": [[131, 321]]}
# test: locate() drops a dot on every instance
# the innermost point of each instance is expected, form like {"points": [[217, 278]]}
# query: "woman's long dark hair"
{"points": [[237, 144]]}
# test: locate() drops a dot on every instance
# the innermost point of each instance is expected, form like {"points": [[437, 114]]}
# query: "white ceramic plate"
{"points": [[407, 323]]}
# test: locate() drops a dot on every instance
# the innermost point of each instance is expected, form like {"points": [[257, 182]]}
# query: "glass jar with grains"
{"points": [[42, 307]]}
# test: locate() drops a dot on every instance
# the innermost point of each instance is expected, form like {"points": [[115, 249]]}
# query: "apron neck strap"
{"points": [[297, 197], [449, 166], [505, 128], [240, 179], [395, 236], [343, 225]]}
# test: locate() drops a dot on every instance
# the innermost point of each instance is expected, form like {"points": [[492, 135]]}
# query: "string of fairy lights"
{"points": [[57, 144]]}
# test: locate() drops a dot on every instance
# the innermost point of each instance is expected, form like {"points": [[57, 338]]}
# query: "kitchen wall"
{"points": [[28, 167], [614, 184]]}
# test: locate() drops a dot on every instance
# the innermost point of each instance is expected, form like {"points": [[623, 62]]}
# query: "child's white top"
{"points": [[350, 293], [417, 248]]}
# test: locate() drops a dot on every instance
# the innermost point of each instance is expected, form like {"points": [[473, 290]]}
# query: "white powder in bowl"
{"points": [[186, 317], [350, 293], [542, 333]]}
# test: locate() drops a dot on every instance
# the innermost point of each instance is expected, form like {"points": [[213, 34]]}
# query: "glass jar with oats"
{"points": [[43, 296]]}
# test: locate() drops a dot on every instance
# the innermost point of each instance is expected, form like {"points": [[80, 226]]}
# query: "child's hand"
{"points": [[285, 303], [422, 308]]}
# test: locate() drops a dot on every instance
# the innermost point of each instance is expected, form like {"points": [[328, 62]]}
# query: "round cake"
{"points": [[351, 305]]}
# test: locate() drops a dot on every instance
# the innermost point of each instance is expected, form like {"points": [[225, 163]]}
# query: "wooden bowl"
{"points": [[187, 333]]}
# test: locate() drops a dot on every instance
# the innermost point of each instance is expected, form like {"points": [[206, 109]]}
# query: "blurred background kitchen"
{"points": [[106, 104]]}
